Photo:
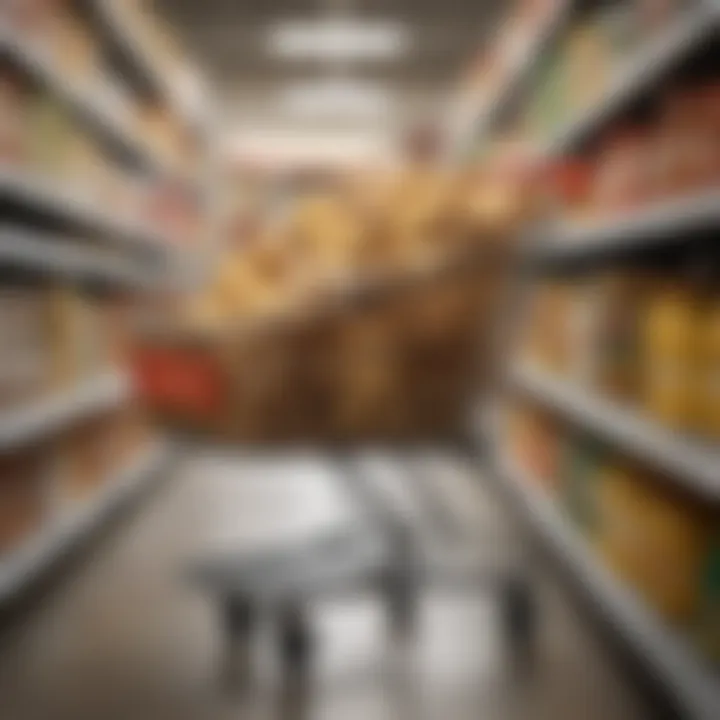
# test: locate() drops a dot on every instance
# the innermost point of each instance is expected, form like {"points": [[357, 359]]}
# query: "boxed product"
{"points": [[187, 381], [22, 497], [538, 444], [655, 15], [85, 459], [116, 320], [568, 189], [686, 141], [583, 327], [49, 136], [707, 625], [620, 28], [33, 18], [622, 304], [76, 339], [85, 171], [123, 435], [26, 339], [74, 48], [581, 467], [669, 354], [549, 106], [707, 375], [133, 432], [13, 117], [588, 65], [656, 539], [549, 322], [624, 171]]}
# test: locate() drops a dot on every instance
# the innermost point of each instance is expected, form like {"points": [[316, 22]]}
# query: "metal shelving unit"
{"points": [[42, 196], [24, 425], [51, 254], [480, 119], [694, 687], [659, 224], [84, 102], [641, 72], [676, 668], [67, 532], [693, 465], [55, 228], [145, 65]]}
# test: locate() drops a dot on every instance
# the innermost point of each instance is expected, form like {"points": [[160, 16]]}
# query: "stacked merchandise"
{"points": [[496, 71], [352, 316], [610, 443], [93, 181], [660, 541], [491, 71], [54, 82], [51, 479], [57, 341], [55, 337], [646, 339], [591, 58], [671, 153]]}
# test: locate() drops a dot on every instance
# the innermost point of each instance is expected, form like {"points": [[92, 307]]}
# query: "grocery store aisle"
{"points": [[125, 636]]}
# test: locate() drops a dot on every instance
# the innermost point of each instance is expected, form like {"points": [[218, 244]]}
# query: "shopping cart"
{"points": [[381, 553]]}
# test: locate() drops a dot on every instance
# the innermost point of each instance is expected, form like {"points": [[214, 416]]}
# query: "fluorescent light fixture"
{"points": [[337, 39], [331, 98], [289, 147]]}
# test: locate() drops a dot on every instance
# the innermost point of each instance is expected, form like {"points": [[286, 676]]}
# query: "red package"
{"points": [[623, 179], [570, 182], [183, 381]]}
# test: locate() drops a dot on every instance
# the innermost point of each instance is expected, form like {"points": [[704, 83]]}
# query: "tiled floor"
{"points": [[126, 636]]}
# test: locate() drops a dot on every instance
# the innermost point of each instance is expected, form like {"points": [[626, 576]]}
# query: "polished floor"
{"points": [[125, 635]]}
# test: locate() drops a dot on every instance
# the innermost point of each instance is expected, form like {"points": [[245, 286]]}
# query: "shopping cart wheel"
{"points": [[295, 640], [402, 605], [519, 620], [240, 619]]}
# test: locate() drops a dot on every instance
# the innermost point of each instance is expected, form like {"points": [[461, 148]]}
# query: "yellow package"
{"points": [[66, 330], [676, 543], [707, 388], [653, 540], [619, 523], [707, 631], [669, 355]]}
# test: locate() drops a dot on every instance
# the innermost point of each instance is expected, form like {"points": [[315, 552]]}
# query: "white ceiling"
{"points": [[229, 41]]}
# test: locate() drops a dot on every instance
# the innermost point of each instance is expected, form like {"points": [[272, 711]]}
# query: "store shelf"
{"points": [[479, 120], [43, 196], [85, 103], [46, 253], [19, 569], [690, 464], [656, 225], [642, 71], [681, 673], [130, 44], [25, 425], [484, 122]]}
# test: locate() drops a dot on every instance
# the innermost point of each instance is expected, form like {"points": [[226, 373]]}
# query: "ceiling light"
{"points": [[286, 147], [337, 39], [335, 98]]}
